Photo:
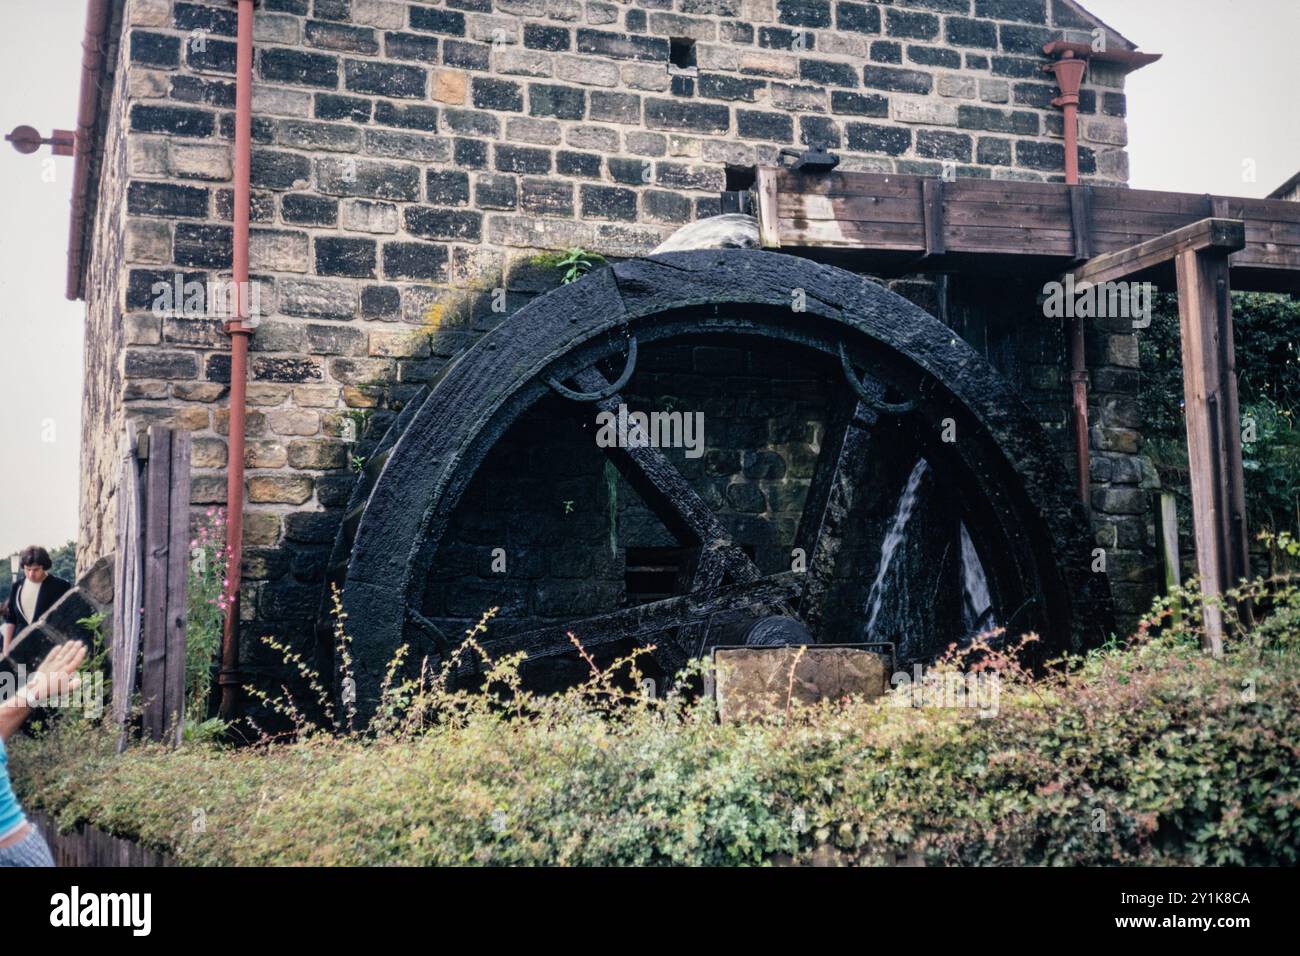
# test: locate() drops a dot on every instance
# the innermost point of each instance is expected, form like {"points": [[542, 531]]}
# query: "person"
{"points": [[21, 843], [33, 594]]}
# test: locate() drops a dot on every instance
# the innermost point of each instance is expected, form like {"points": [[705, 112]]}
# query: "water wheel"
{"points": [[509, 425]]}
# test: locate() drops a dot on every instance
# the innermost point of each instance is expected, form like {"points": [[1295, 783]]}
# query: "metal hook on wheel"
{"points": [[872, 398], [609, 391]]}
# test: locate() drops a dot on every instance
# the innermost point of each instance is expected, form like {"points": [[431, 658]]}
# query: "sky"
{"points": [[1217, 114]]}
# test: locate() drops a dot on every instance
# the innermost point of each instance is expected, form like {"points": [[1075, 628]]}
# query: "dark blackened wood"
{"points": [[840, 467], [1081, 220], [87, 846], [932, 210], [1037, 536], [669, 495], [644, 620], [165, 568]]}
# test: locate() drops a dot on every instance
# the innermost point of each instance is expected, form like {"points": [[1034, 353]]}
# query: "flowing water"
{"points": [[897, 529], [977, 604], [905, 604]]}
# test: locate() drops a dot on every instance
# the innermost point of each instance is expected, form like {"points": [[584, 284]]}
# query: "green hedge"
{"points": [[1143, 755]]}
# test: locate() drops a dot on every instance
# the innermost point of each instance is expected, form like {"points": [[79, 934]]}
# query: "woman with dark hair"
{"points": [[32, 595]]}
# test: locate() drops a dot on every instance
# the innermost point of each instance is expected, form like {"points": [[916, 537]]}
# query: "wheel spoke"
{"points": [[841, 467], [669, 495], [643, 620]]}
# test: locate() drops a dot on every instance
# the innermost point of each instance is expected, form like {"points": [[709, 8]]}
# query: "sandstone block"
{"points": [[758, 681]]}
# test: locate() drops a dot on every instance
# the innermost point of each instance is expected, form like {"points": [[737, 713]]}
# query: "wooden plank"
{"points": [[1231, 466], [126, 586], [1081, 221], [1227, 235], [956, 211], [178, 498], [932, 211], [868, 212], [769, 236], [157, 527], [909, 237]]}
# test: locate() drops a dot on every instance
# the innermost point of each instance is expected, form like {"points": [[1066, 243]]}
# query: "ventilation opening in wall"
{"points": [[681, 53], [740, 178]]}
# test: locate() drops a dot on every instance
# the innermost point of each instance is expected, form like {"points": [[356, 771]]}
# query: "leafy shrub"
{"points": [[1268, 373], [206, 613], [1144, 753]]}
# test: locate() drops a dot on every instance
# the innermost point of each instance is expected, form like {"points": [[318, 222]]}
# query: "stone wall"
{"points": [[410, 158], [106, 331]]}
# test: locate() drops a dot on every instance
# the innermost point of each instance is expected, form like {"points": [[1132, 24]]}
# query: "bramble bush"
{"points": [[1145, 752]]}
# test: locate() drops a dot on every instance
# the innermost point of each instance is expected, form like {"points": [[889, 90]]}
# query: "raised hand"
{"points": [[57, 674]]}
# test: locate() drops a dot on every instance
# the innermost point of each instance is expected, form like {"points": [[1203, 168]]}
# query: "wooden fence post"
{"points": [[127, 562], [165, 565]]}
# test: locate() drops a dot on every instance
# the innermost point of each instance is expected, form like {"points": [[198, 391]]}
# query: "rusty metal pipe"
{"points": [[240, 332], [92, 64]]}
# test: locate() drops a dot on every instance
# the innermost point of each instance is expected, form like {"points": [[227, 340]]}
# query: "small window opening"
{"points": [[740, 178], [681, 54]]}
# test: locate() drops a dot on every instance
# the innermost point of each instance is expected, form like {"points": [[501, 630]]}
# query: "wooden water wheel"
{"points": [[900, 376]]}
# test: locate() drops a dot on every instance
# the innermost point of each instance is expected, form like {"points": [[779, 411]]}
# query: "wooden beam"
{"points": [[126, 586], [668, 494], [1213, 430], [769, 236], [643, 620], [1226, 235], [878, 222], [840, 466]]}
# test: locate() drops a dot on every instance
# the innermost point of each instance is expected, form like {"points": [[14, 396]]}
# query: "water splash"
{"points": [[906, 505], [977, 603]]}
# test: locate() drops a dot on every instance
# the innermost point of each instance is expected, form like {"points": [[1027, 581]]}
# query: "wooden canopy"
{"points": [[890, 224]]}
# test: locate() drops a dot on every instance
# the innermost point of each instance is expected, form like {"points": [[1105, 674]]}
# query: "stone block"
{"points": [[279, 489], [754, 682], [293, 421], [265, 454]]}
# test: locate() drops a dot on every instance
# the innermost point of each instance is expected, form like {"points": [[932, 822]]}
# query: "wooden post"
{"points": [[1171, 571], [769, 236], [126, 586], [166, 563], [1213, 429], [1200, 254]]}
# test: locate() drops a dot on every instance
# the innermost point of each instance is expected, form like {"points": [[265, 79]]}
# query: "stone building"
{"points": [[412, 160]]}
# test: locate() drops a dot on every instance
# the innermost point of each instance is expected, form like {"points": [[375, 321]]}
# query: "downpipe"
{"points": [[240, 331]]}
